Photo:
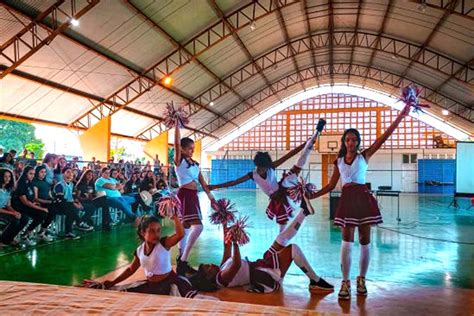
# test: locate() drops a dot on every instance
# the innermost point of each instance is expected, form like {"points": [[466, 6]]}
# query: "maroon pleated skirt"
{"points": [[357, 207], [190, 209]]}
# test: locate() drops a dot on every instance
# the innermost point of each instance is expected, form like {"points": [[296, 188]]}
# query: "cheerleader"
{"points": [[154, 256], [264, 275], [189, 175], [357, 206], [281, 205]]}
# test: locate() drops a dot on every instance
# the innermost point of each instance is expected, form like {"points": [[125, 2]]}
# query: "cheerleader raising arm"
{"points": [[172, 240], [227, 275], [369, 152], [177, 146]]}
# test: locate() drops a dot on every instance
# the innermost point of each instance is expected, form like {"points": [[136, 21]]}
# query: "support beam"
{"points": [[236, 37], [30, 39], [354, 41], [304, 4], [464, 8], [381, 31], [331, 39]]}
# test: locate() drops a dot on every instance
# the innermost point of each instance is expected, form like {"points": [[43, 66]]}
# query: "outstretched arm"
{"points": [[369, 152], [229, 183], [125, 274], [293, 152], [205, 187], [177, 146], [329, 187], [227, 247]]}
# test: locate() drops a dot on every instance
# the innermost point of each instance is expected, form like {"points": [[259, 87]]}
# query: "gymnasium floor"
{"points": [[430, 251]]}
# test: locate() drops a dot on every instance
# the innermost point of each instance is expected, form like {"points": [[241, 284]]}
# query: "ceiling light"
{"points": [[167, 81], [211, 104], [445, 112], [253, 26], [74, 22]]}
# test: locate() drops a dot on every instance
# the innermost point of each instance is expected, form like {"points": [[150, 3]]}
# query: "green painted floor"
{"points": [[433, 245]]}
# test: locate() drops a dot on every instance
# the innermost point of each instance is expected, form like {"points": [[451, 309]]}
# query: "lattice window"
{"points": [[341, 112]]}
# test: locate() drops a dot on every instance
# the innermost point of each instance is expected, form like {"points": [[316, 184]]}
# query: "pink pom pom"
{"points": [[175, 117], [169, 205], [410, 96], [296, 192], [236, 233], [223, 212]]}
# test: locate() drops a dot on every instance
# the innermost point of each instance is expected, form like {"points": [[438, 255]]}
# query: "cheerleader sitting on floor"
{"points": [[264, 175], [264, 275], [154, 256]]}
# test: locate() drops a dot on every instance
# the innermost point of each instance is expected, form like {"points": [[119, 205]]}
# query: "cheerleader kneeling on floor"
{"points": [[154, 256], [280, 206], [357, 206], [264, 275]]}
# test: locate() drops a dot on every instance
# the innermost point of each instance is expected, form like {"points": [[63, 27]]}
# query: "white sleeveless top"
{"points": [[242, 276], [186, 173], [354, 172], [268, 185], [157, 263]]}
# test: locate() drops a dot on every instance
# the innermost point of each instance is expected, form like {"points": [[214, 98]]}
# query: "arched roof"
{"points": [[229, 60]]}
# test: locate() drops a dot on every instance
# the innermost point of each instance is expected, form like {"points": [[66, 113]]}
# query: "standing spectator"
{"points": [[58, 172], [156, 165], [15, 221], [32, 160]]}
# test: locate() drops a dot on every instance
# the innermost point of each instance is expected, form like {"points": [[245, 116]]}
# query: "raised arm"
{"points": [[230, 183], [172, 240], [290, 154], [369, 152], [227, 275], [227, 247], [206, 188], [177, 146], [329, 187]]}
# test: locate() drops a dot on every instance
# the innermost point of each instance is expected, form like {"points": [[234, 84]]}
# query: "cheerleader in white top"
{"points": [[357, 206], [189, 176], [281, 206], [154, 256]]}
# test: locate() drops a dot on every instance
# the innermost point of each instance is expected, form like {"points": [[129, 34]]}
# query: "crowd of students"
{"points": [[32, 194]]}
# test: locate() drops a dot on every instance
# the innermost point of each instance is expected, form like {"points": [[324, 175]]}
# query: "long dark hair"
{"points": [[23, 176], [83, 176], [144, 222], [37, 171], [343, 150], [202, 282], [8, 186]]}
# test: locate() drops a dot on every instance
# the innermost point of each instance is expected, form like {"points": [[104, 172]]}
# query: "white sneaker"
{"points": [[42, 236], [71, 236], [345, 291], [84, 227], [27, 240]]}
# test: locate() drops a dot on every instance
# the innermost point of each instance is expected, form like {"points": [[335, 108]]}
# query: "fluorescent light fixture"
{"points": [[74, 22], [378, 96]]}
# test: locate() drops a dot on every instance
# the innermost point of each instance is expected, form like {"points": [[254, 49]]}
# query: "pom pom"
{"points": [[296, 192], [175, 117], [93, 284], [410, 96], [236, 233], [169, 205], [223, 212]]}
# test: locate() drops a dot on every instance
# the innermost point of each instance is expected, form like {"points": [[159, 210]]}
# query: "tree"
{"points": [[118, 152], [37, 148], [16, 135]]}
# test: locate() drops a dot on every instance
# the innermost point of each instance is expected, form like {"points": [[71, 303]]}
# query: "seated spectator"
{"points": [[24, 202], [58, 172], [15, 221], [50, 161], [8, 159], [68, 206], [117, 176], [85, 192], [43, 196], [133, 184], [112, 190], [148, 183], [19, 166]]}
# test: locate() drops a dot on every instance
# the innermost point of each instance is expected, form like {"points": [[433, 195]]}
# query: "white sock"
{"points": [[290, 231], [182, 242], [346, 248], [194, 232], [364, 259], [300, 260], [306, 151]]}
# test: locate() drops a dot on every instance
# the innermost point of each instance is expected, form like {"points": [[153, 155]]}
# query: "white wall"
{"points": [[385, 167]]}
